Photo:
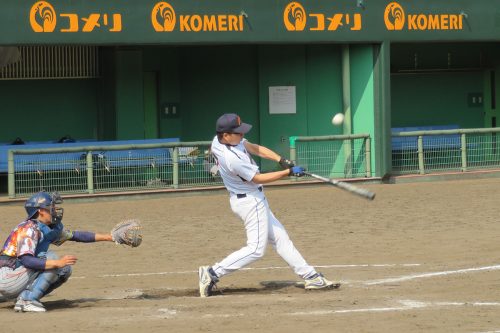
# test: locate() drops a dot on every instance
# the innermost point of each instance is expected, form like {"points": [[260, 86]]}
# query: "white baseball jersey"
{"points": [[236, 167]]}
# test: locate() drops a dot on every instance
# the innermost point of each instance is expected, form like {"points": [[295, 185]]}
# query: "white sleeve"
{"points": [[243, 169]]}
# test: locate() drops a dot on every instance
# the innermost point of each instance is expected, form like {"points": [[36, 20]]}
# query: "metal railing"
{"points": [[333, 156], [423, 152], [92, 169]]}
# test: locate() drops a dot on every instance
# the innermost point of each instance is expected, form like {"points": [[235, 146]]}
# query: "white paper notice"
{"points": [[282, 100]]}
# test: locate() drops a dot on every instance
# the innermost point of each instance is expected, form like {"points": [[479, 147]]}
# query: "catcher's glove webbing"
{"points": [[127, 232]]}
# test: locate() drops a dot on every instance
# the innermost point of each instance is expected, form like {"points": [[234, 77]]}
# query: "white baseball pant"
{"points": [[261, 227]]}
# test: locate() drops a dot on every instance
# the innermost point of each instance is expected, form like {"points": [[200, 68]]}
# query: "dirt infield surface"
{"points": [[422, 257]]}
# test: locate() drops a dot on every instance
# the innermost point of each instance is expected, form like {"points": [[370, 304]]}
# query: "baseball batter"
{"points": [[243, 180], [28, 269]]}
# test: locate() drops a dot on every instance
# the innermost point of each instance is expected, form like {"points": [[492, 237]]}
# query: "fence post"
{"points": [[463, 143], [368, 157], [293, 153], [175, 168], [293, 149], [420, 145], [11, 180], [90, 173]]}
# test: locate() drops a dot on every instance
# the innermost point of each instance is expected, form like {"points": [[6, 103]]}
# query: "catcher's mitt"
{"points": [[127, 232]]}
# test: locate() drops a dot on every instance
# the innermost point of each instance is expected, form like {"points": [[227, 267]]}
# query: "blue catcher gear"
{"points": [[46, 201]]}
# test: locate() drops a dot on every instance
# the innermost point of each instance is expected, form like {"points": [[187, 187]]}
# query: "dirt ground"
{"points": [[421, 257]]}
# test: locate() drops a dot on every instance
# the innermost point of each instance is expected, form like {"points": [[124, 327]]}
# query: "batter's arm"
{"points": [[261, 151], [268, 177]]}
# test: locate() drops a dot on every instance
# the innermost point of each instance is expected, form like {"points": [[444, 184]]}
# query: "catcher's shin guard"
{"points": [[47, 281], [63, 275], [38, 288]]}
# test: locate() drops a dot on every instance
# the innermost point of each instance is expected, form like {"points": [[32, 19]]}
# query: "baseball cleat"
{"points": [[318, 281], [28, 306], [206, 281]]}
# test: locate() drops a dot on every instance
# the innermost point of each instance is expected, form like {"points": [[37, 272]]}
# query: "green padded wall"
{"points": [[214, 81], [46, 110], [436, 99], [165, 62], [282, 66], [324, 88], [362, 93], [129, 95]]}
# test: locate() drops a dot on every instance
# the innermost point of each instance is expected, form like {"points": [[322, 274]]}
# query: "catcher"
{"points": [[29, 270]]}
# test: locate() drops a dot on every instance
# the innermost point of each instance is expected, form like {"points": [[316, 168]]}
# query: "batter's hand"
{"points": [[285, 163], [297, 171]]}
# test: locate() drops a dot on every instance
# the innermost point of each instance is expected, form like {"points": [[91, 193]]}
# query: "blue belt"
{"points": [[244, 195]]}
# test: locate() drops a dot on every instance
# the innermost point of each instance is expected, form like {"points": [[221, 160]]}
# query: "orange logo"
{"points": [[294, 17], [395, 19], [394, 16], [42, 17], [163, 17]]}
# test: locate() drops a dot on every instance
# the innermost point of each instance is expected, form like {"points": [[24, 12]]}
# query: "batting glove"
{"points": [[297, 171], [286, 164]]}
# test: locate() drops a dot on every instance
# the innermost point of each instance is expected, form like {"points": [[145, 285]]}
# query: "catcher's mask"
{"points": [[46, 201]]}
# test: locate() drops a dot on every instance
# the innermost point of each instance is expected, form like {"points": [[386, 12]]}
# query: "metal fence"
{"points": [[422, 152], [333, 156], [94, 169]]}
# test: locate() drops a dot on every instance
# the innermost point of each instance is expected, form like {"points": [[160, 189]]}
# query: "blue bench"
{"points": [[441, 141], [77, 160]]}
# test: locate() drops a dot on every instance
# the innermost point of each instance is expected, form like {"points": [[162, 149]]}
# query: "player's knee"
{"points": [[259, 252], [64, 273]]}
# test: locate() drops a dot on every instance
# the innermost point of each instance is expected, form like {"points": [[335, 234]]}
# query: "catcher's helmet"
{"points": [[42, 200]]}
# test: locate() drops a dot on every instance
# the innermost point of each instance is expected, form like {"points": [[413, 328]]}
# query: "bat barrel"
{"points": [[345, 186]]}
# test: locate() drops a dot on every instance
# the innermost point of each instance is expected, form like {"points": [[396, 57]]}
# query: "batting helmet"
{"points": [[43, 200]]}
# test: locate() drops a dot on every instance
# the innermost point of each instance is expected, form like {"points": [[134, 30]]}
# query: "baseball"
{"points": [[338, 119]]}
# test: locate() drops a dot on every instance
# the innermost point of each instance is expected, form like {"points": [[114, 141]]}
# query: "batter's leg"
{"points": [[253, 211], [279, 239]]}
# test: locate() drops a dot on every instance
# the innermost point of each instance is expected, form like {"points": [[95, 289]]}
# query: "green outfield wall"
{"points": [[170, 68], [136, 83]]}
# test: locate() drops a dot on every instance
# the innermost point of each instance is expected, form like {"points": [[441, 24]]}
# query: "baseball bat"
{"points": [[345, 186]]}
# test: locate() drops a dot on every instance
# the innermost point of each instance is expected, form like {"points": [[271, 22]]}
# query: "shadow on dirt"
{"points": [[268, 287]]}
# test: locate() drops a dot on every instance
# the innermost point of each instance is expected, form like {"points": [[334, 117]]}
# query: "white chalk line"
{"points": [[250, 268], [406, 305], [366, 283], [403, 305], [432, 274]]}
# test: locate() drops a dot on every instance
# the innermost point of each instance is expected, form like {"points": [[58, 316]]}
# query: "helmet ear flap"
{"points": [[32, 211]]}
